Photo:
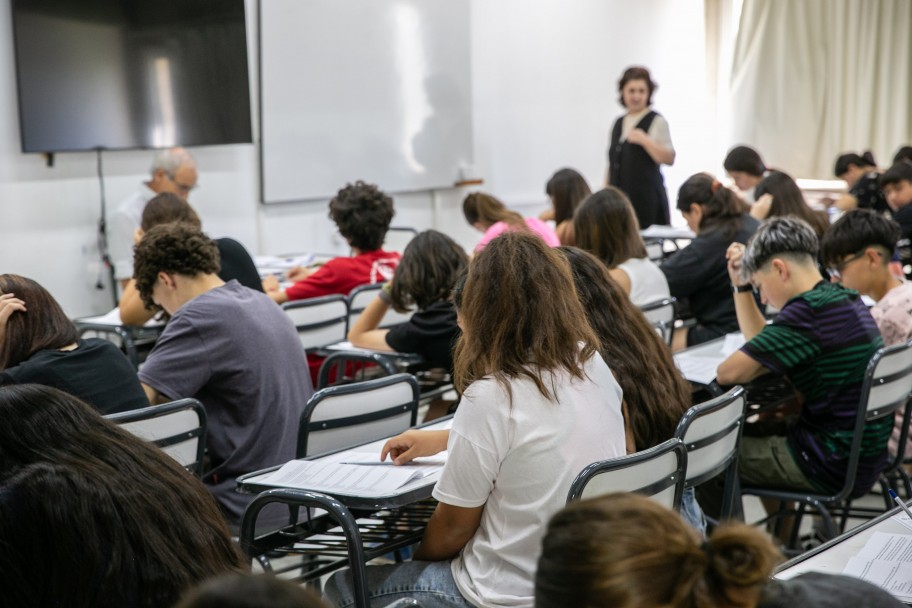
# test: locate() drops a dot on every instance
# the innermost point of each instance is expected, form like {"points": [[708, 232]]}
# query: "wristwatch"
{"points": [[742, 288]]}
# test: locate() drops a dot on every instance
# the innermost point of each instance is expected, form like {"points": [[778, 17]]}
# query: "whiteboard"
{"points": [[378, 90]]}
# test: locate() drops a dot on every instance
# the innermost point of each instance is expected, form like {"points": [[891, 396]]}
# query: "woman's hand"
{"points": [[735, 255], [760, 210], [299, 273], [637, 136], [414, 444], [270, 283], [9, 304]]}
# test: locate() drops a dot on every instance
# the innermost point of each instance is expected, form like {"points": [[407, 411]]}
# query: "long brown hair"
{"points": [[520, 316], [628, 551], [788, 200], [606, 226], [43, 326], [168, 207], [656, 393], [567, 189], [137, 528], [484, 208]]}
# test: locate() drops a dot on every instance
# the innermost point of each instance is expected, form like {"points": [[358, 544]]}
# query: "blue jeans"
{"points": [[692, 513], [430, 583]]}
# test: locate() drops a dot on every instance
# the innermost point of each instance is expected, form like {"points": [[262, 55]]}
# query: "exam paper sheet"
{"points": [[886, 561]]}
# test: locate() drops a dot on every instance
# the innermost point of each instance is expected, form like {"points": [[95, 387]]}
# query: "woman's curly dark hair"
{"points": [[363, 214], [177, 248]]}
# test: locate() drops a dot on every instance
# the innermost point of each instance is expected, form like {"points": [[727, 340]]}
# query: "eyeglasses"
{"points": [[837, 270]]}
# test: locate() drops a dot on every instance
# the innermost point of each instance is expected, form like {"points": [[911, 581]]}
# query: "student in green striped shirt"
{"points": [[822, 340]]}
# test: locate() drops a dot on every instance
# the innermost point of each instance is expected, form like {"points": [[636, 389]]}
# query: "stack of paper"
{"points": [[352, 474], [886, 561]]}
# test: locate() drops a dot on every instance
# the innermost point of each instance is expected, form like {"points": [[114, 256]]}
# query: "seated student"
{"points": [[858, 249], [250, 591], [861, 175], [488, 215], [698, 272], [606, 226], [896, 183], [628, 551], [424, 279], [40, 345], [539, 404], [744, 165], [95, 516], [822, 340], [903, 154], [362, 213], [778, 195], [567, 189], [228, 346], [234, 261], [656, 395]]}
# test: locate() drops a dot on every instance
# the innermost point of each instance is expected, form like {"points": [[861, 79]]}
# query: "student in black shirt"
{"points": [[699, 272], [424, 279]]}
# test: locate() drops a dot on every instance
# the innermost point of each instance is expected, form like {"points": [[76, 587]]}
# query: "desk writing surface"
{"points": [[833, 556], [698, 363], [667, 232], [413, 491]]}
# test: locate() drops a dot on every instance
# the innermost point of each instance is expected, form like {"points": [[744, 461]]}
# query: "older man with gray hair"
{"points": [[173, 170], [822, 340]]}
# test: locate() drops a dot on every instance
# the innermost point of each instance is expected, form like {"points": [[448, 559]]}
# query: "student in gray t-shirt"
{"points": [[228, 346]]}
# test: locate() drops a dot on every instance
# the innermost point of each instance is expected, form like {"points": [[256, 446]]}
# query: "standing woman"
{"points": [[567, 189], [538, 405], [606, 227], [640, 142]]}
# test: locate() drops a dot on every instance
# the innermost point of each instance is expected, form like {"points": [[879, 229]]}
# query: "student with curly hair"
{"points": [[228, 346], [538, 405], [362, 213], [424, 280], [628, 551], [95, 516], [40, 345]]}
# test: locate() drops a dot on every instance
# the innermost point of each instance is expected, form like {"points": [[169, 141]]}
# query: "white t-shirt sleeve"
{"points": [[660, 132], [478, 444]]}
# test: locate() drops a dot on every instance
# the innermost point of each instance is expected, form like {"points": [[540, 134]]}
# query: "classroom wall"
{"points": [[544, 97]]}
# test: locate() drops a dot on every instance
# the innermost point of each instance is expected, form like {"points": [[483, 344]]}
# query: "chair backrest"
{"points": [[319, 321], [711, 432], [886, 389], [397, 237], [178, 428], [658, 472], [352, 414], [363, 295], [661, 314], [345, 367], [655, 250]]}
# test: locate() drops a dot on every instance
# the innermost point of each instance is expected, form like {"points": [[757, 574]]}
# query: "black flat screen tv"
{"points": [[120, 74]]}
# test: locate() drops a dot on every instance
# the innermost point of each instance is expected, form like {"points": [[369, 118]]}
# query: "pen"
{"points": [[897, 500]]}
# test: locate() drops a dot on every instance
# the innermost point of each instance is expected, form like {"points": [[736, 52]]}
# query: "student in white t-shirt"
{"points": [[539, 404], [606, 226]]}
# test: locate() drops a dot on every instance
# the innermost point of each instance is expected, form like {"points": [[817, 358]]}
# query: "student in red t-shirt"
{"points": [[363, 213]]}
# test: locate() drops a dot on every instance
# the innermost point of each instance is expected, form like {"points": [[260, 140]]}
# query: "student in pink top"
{"points": [[488, 215]]}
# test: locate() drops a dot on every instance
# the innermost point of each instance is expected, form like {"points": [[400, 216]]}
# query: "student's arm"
{"points": [[364, 334], [132, 309], [628, 430], [738, 369], [620, 277], [448, 531], [547, 214], [661, 154], [846, 202], [154, 397], [750, 320], [272, 289], [414, 444]]}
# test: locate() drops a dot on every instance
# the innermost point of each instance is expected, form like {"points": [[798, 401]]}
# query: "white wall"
{"points": [[544, 96]]}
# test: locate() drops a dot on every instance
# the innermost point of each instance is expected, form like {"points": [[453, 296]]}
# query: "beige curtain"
{"points": [[814, 78]]}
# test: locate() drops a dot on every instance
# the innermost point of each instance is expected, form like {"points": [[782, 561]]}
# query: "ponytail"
{"points": [[721, 206], [628, 551], [844, 161]]}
